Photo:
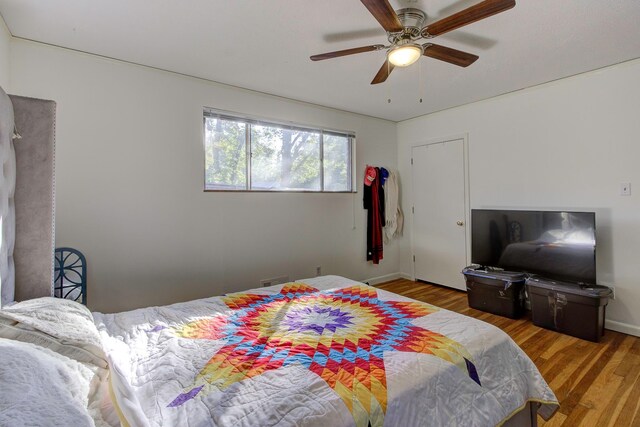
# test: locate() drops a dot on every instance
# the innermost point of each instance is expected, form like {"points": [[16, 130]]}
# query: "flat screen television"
{"points": [[554, 244]]}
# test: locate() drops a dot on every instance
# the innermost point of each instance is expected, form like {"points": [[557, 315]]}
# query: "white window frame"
{"points": [[248, 121]]}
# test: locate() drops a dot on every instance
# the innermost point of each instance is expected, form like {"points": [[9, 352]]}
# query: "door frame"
{"points": [[467, 205]]}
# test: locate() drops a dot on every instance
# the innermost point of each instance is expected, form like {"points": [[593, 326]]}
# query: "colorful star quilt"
{"points": [[341, 335]]}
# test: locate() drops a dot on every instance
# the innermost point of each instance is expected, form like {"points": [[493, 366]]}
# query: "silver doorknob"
{"points": [[460, 223]]}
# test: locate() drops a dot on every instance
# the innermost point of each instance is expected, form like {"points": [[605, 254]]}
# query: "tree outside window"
{"points": [[248, 155]]}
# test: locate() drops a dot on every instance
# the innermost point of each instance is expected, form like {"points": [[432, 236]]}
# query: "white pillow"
{"points": [[62, 325], [42, 388]]}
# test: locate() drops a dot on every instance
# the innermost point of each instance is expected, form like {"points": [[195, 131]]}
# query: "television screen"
{"points": [[557, 245]]}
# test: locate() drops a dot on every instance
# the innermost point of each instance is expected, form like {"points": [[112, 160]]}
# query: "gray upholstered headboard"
{"points": [[33, 253], [7, 191], [31, 173]]}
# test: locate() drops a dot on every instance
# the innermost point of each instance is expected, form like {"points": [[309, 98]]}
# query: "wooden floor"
{"points": [[597, 384]]}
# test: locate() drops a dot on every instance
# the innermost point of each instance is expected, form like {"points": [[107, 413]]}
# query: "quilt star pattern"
{"points": [[341, 335]]}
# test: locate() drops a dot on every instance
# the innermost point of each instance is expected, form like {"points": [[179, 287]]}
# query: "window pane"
{"points": [[337, 163], [284, 159], [226, 154]]}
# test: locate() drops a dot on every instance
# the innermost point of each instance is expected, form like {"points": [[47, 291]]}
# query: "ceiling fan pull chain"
{"points": [[387, 87], [420, 88]]}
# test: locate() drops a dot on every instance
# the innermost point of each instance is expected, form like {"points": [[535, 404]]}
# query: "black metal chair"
{"points": [[70, 278]]}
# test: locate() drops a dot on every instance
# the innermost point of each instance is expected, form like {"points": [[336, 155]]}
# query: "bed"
{"points": [[315, 352], [312, 352]]}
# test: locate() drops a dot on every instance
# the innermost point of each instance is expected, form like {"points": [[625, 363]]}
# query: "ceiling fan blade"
{"points": [[383, 73], [467, 16], [346, 52], [446, 54], [384, 13]]}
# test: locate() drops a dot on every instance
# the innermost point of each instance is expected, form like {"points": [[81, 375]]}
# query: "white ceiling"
{"points": [[265, 45]]}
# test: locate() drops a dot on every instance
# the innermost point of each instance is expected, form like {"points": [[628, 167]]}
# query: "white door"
{"points": [[439, 226]]}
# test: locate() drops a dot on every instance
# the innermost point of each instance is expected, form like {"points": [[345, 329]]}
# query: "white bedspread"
{"points": [[59, 324], [39, 387], [329, 352]]}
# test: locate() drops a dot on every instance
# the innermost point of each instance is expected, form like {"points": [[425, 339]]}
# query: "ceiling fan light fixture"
{"points": [[405, 55]]}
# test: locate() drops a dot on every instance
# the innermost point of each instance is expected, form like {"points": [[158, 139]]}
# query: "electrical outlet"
{"points": [[625, 189], [274, 281]]}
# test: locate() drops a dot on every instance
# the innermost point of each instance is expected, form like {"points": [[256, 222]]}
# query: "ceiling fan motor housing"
{"points": [[412, 20]]}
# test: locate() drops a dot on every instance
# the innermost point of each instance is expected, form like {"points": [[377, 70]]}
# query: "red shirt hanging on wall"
{"points": [[373, 201]]}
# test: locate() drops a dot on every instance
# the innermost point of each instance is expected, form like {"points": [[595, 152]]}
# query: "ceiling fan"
{"points": [[406, 26]]}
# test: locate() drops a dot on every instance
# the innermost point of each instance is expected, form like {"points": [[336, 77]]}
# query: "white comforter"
{"points": [[343, 354], [40, 387]]}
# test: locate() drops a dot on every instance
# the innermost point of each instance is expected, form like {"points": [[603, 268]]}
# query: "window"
{"points": [[252, 155]]}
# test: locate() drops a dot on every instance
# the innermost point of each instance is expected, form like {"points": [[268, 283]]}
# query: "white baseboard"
{"points": [[386, 278], [406, 276], [625, 328]]}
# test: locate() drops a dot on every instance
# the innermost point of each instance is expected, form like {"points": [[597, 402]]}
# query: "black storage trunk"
{"points": [[497, 292], [574, 309]]}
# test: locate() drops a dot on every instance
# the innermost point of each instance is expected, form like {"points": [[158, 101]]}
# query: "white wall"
{"points": [[5, 45], [568, 144], [129, 179]]}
